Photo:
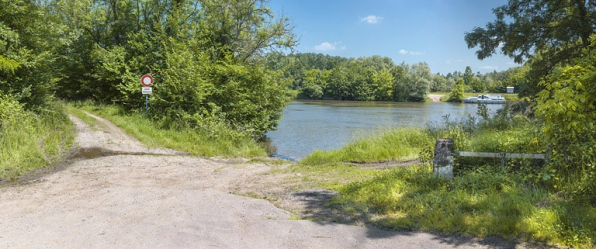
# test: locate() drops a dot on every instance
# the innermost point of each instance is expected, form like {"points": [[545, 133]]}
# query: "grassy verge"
{"points": [[154, 133], [32, 140], [482, 203], [482, 200], [394, 144]]}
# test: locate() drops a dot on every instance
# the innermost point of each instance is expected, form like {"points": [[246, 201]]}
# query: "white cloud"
{"points": [[452, 61], [371, 19], [325, 46], [403, 51], [489, 68]]}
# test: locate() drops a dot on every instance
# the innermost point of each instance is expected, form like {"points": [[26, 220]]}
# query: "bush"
{"points": [[457, 94], [31, 140]]}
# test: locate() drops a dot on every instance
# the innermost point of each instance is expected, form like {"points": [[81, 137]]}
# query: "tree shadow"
{"points": [[317, 206]]}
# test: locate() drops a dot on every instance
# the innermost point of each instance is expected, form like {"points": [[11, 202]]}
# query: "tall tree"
{"points": [[27, 46], [558, 29]]}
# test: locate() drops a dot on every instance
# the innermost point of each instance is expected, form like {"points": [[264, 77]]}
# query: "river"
{"points": [[322, 125]]}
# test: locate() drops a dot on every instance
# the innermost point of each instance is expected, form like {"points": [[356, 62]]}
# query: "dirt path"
{"points": [[135, 197], [435, 97]]}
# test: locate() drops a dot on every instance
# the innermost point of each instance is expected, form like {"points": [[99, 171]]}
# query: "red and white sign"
{"points": [[147, 80]]}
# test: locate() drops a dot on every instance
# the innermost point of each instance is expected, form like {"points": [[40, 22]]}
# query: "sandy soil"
{"points": [[116, 193], [435, 97]]}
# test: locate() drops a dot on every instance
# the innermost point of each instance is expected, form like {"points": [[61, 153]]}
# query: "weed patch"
{"points": [[482, 203], [31, 140], [209, 140], [393, 144]]}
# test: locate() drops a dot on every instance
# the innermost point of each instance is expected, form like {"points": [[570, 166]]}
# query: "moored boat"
{"points": [[486, 99]]}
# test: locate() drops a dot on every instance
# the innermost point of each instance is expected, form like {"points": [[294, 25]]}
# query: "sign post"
{"points": [[147, 82]]}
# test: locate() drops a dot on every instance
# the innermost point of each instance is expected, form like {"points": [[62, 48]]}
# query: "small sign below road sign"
{"points": [[147, 90]]}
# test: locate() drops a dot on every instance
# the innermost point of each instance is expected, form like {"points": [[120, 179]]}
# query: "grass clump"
{"points": [[212, 138], [392, 144], [482, 203], [32, 139]]}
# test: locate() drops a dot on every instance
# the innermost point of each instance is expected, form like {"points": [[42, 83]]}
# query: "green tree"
{"points": [[457, 94], [568, 106], [420, 80], [383, 83], [477, 85], [558, 29], [468, 76], [339, 86], [206, 57], [312, 84], [439, 83], [27, 46]]}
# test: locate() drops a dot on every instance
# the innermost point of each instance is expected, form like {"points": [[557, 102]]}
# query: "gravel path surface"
{"points": [[124, 199]]}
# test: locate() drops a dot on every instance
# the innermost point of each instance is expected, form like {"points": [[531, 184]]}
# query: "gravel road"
{"points": [[120, 194]]}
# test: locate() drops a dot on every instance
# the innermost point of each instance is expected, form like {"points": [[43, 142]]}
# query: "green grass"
{"points": [[153, 133], [33, 140], [482, 203], [393, 144], [482, 200], [91, 121]]}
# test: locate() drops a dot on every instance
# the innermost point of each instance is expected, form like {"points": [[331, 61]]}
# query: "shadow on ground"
{"points": [[317, 207]]}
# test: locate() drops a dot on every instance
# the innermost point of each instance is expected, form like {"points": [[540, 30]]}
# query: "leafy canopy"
{"points": [[558, 30]]}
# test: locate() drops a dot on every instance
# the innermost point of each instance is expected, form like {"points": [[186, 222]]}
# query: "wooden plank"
{"points": [[499, 155]]}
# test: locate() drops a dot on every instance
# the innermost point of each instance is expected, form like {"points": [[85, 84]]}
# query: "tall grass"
{"points": [[391, 144], [32, 140], [517, 201], [214, 140], [482, 203]]}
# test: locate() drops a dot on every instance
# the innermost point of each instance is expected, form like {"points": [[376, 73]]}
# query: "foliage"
{"points": [[415, 84], [393, 144], [567, 104], [205, 57], [482, 203], [558, 29], [365, 79], [26, 43], [482, 200], [31, 140], [457, 94], [212, 138]]}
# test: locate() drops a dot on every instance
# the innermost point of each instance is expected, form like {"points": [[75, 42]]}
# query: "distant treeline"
{"points": [[320, 76]]}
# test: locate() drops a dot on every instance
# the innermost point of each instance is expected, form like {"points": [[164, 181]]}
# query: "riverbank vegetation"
{"points": [[205, 57], [212, 139], [394, 144], [523, 200], [377, 78]]}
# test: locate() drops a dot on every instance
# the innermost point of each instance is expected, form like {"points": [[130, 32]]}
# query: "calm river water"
{"points": [[322, 125]]}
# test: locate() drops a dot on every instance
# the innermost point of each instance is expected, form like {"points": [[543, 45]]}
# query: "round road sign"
{"points": [[147, 80]]}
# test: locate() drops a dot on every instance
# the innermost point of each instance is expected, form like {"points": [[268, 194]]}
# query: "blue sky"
{"points": [[430, 31]]}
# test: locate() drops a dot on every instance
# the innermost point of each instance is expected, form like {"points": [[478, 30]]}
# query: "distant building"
{"points": [[509, 89]]}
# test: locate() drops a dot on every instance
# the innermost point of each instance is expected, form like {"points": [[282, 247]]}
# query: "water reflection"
{"points": [[322, 125]]}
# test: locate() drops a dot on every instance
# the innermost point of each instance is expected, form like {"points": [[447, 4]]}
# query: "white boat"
{"points": [[486, 99]]}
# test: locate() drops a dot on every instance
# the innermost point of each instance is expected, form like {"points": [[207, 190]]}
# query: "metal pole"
{"points": [[146, 105]]}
